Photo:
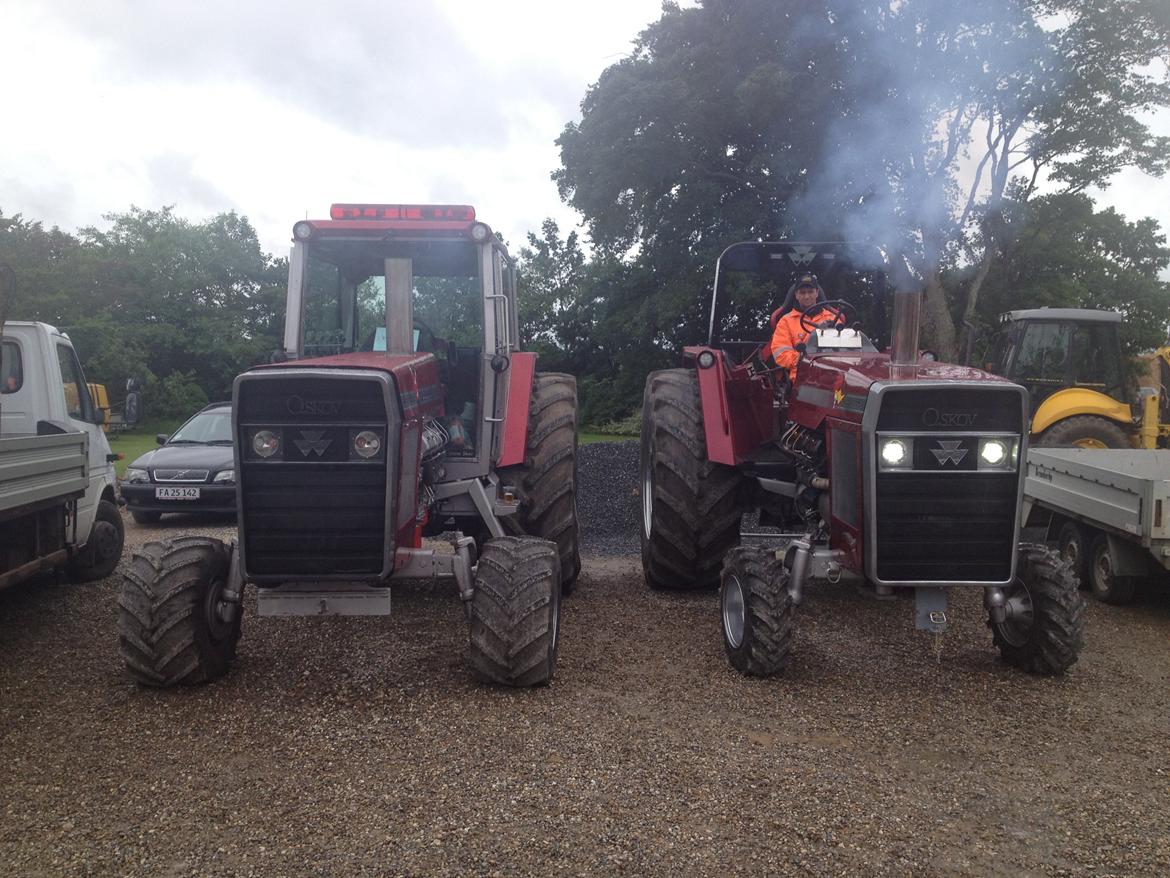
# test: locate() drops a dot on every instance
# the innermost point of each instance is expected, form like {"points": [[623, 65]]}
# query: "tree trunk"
{"points": [[938, 329], [966, 334]]}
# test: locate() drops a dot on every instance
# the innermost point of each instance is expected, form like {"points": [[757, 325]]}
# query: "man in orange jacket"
{"points": [[789, 333]]}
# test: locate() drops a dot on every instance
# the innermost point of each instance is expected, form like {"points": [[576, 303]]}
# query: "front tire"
{"points": [[1106, 585], [515, 612], [101, 553], [1084, 431], [690, 506], [547, 479], [170, 613], [1043, 632], [756, 611]]}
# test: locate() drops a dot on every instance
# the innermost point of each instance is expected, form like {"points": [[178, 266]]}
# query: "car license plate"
{"points": [[176, 493]]}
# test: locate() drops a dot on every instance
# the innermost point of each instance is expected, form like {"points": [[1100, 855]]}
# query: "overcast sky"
{"points": [[276, 110]]}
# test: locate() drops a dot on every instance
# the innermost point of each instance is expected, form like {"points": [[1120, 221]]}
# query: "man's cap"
{"points": [[807, 280]]}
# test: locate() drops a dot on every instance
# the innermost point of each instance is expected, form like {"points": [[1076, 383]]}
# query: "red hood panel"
{"points": [[382, 362]]}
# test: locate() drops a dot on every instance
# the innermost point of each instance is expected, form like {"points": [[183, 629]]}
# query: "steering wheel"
{"points": [[845, 311]]}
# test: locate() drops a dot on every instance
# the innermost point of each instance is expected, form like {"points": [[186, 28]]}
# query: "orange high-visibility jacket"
{"points": [[789, 333]]}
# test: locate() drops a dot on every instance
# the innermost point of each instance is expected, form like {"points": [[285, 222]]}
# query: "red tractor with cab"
{"points": [[882, 468], [401, 407]]}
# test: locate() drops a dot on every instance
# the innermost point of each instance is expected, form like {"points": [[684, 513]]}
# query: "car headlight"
{"points": [[895, 453], [136, 476], [225, 477], [997, 454]]}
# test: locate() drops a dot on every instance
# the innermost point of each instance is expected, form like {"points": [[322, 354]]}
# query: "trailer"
{"points": [[1107, 511]]}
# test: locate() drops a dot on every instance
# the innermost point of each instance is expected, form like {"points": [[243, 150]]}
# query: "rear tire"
{"points": [[756, 610], [515, 612], [145, 517], [1044, 630], [101, 553], [171, 631], [547, 480], [1105, 585], [1084, 431], [690, 506], [1073, 548]]}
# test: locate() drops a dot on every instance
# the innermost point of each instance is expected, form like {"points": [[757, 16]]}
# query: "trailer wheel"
{"points": [[171, 613], [103, 550], [547, 479], [515, 612], [1043, 632], [1084, 431], [690, 506], [1073, 549], [756, 610], [1106, 585]]}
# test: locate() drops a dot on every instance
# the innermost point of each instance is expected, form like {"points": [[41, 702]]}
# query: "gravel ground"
{"points": [[609, 507], [359, 746]]}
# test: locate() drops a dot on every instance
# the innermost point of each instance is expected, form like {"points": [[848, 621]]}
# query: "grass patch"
{"points": [[132, 443], [590, 438]]}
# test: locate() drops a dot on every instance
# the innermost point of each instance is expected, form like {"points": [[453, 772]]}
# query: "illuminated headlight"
{"points": [[225, 477], [303, 230], [265, 443], [997, 454], [480, 233], [367, 444], [895, 453], [136, 476]]}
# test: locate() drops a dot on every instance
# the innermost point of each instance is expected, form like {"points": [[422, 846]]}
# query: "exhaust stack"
{"points": [[907, 319]]}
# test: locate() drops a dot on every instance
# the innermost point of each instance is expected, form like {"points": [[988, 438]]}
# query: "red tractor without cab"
{"points": [[884, 469], [401, 407]]}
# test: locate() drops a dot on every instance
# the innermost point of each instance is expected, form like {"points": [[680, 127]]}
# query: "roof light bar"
{"points": [[424, 212]]}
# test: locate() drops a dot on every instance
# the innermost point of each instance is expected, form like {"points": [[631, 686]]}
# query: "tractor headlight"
{"points": [[265, 443], [225, 477], [997, 454], [136, 476], [895, 453], [367, 444]]}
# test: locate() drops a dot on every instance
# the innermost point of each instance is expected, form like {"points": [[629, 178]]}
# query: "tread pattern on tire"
{"points": [[1057, 634], [1063, 434], [547, 480], [696, 503], [515, 612], [769, 624], [164, 637]]}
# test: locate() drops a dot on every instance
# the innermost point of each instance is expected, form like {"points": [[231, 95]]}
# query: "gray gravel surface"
{"points": [[359, 746], [609, 505]]}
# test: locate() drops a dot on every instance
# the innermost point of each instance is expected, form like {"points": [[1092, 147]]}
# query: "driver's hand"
{"points": [[799, 346]]}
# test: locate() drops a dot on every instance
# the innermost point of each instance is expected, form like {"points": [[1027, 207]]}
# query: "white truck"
{"points": [[1108, 510], [57, 500]]}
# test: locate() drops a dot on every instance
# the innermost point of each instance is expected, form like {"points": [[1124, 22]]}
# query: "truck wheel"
{"points": [[170, 618], [1084, 431], [103, 550], [757, 611], [1103, 582], [1044, 629], [516, 611], [145, 517], [690, 506], [547, 480], [1070, 543]]}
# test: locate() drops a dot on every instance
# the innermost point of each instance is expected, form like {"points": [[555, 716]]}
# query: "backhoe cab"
{"points": [[402, 406], [880, 468]]}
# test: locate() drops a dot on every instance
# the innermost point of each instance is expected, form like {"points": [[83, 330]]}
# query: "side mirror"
{"points": [[161, 438], [132, 411]]}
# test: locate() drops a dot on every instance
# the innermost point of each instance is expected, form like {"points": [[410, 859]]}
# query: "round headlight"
{"points": [[480, 233], [706, 360], [265, 443], [303, 230], [893, 451], [993, 452], [367, 443]]}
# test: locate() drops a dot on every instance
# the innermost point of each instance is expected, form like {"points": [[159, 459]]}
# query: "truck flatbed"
{"points": [[36, 469]]}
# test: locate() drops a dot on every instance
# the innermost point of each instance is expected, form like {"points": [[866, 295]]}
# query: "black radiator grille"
{"points": [[303, 519], [956, 527]]}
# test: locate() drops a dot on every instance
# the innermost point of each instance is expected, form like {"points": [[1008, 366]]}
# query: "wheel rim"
{"points": [[734, 611], [1071, 552], [1087, 442], [1018, 616], [105, 541], [1102, 573], [213, 611], [647, 499]]}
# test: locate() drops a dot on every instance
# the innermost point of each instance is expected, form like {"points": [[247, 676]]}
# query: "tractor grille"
{"points": [[313, 510], [947, 521], [957, 527]]}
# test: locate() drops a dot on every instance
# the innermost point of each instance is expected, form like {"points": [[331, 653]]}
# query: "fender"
{"points": [[1074, 401], [515, 427]]}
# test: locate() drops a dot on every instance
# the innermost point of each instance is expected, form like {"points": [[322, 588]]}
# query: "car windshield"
{"points": [[206, 428]]}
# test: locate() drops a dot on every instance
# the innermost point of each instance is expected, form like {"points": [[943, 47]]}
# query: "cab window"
{"points": [[73, 387], [11, 368], [1043, 354]]}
